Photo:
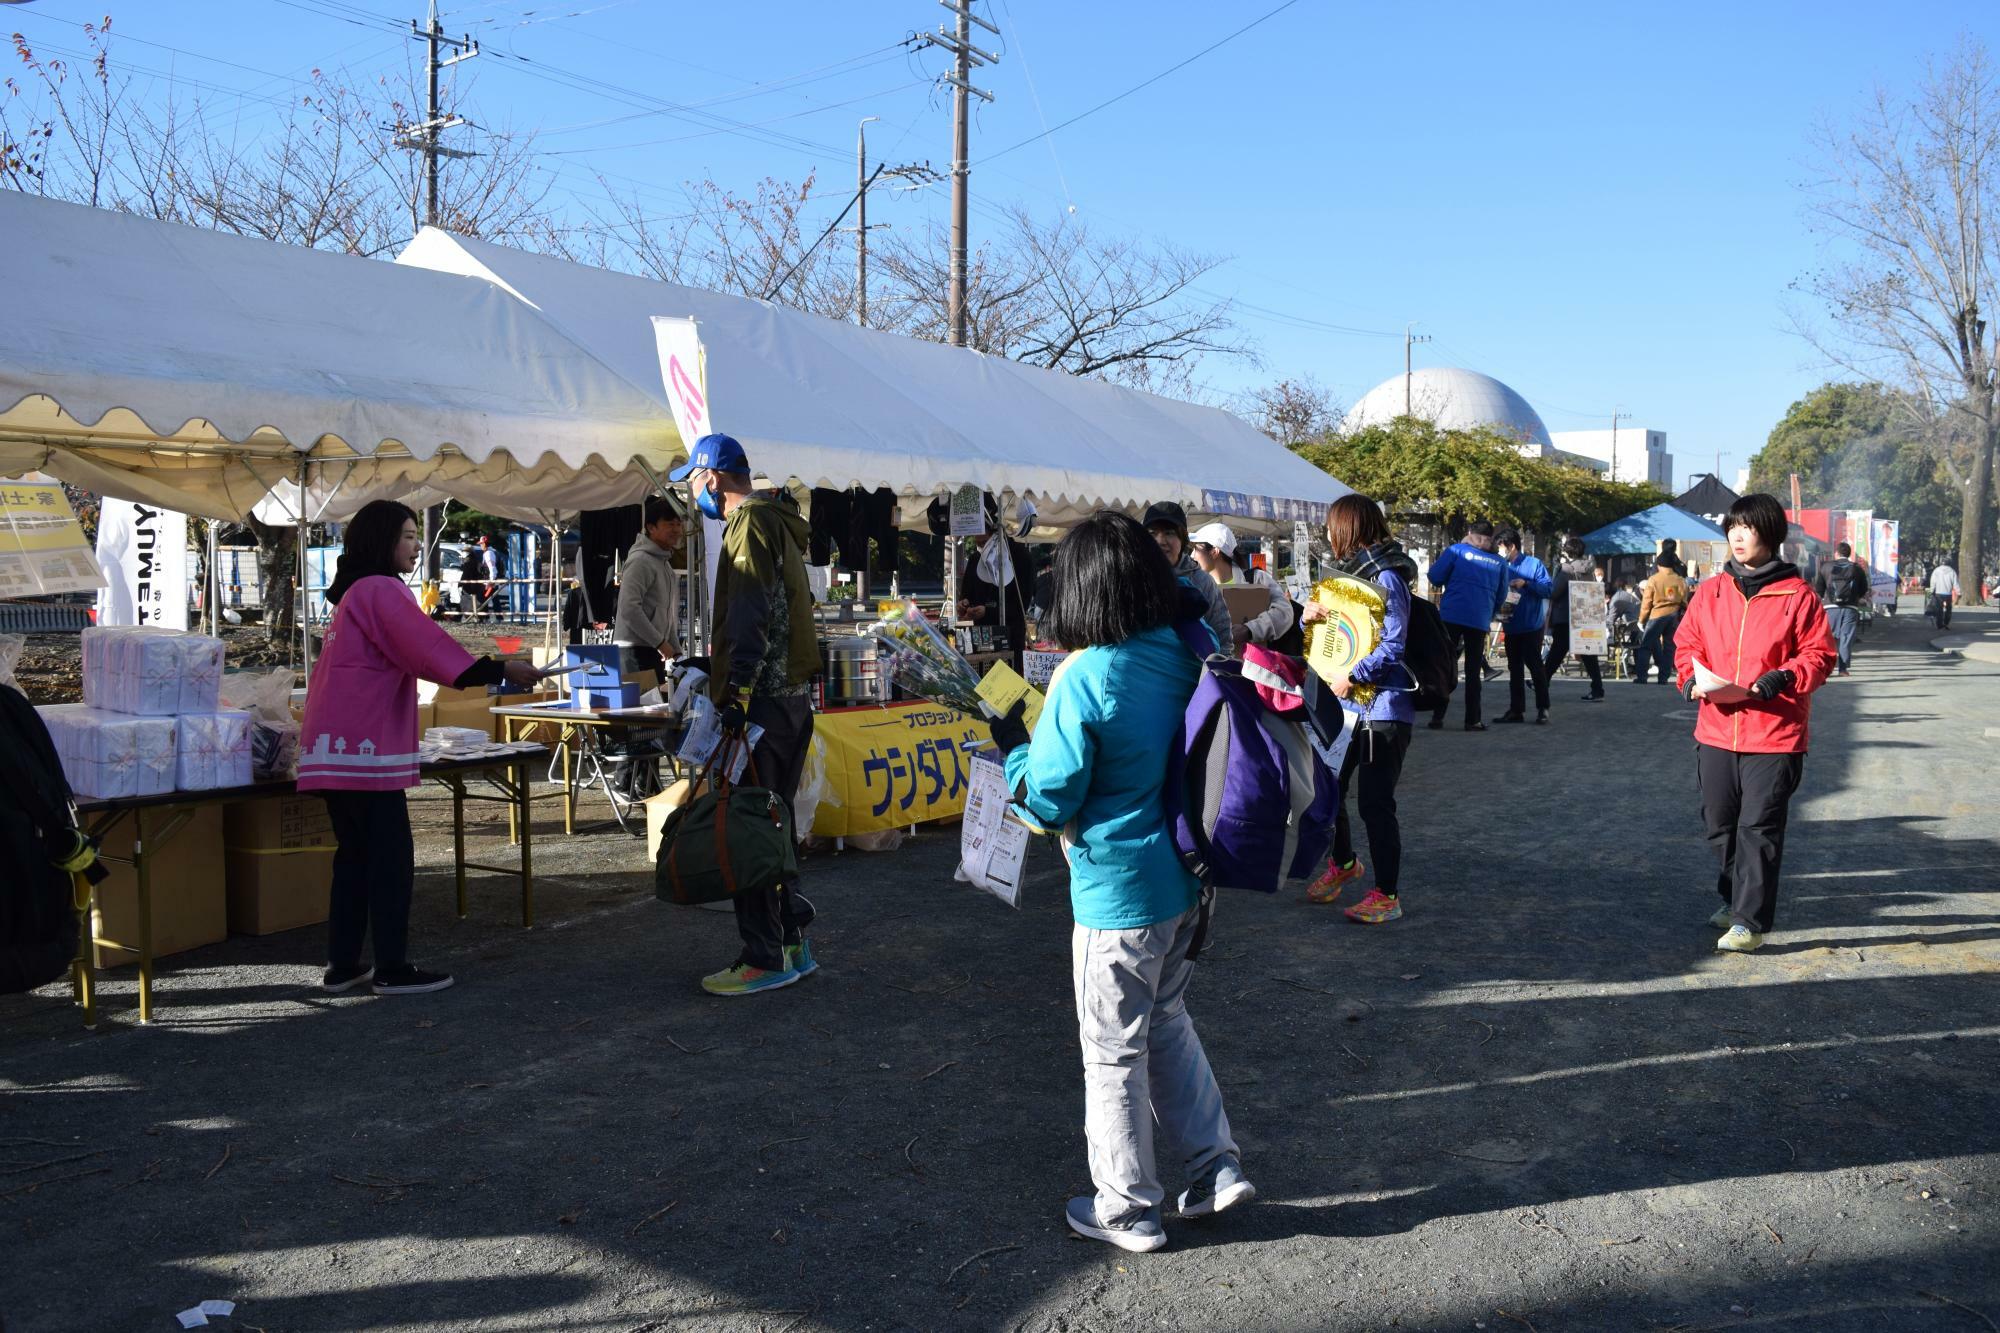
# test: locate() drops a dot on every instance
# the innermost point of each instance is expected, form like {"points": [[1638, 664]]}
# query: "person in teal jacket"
{"points": [[1531, 581], [1095, 769]]}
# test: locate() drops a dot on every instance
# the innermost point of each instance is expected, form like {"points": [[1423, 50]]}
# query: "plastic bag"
{"points": [[274, 735], [10, 653], [812, 790]]}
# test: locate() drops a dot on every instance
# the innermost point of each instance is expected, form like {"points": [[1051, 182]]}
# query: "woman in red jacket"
{"points": [[1752, 647]]}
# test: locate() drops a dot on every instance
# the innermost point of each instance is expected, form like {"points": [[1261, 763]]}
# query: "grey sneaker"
{"points": [[1721, 918], [1140, 1235], [1217, 1192]]}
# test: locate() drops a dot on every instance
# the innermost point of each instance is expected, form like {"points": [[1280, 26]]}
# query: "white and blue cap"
{"points": [[717, 453]]}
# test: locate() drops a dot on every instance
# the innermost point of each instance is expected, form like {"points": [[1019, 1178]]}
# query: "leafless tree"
{"points": [[1054, 295], [1909, 199], [1292, 411]]}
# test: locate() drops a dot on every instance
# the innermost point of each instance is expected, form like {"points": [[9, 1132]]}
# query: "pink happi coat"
{"points": [[360, 727]]}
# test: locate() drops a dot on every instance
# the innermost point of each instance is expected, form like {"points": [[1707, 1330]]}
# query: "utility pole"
{"points": [[423, 138], [966, 55], [862, 180], [1410, 340], [1616, 417]]}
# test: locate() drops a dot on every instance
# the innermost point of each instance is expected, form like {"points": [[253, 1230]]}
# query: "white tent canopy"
{"points": [[832, 404], [196, 370]]}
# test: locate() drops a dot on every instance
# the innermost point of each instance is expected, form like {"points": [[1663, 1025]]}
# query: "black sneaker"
{"points": [[1510, 717], [1435, 724], [407, 980], [336, 980], [1475, 726], [1593, 698], [1542, 718]]}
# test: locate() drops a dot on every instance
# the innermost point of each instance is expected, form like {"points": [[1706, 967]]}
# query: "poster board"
{"points": [[42, 546], [894, 766], [968, 512], [143, 550], [1589, 621]]}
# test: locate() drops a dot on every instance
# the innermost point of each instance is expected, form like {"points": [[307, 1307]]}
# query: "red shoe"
{"points": [[1327, 888], [1376, 908]]}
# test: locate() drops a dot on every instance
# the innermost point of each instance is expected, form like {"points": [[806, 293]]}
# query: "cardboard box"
{"points": [[659, 807], [1246, 604], [190, 908], [279, 857]]}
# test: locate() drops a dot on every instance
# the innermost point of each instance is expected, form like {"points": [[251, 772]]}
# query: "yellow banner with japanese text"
{"points": [[893, 766]]}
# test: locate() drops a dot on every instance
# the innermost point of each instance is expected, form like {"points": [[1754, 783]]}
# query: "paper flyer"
{"points": [[1003, 687]]}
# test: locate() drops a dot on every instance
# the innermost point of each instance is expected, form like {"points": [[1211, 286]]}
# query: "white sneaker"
{"points": [[1141, 1235], [1739, 940], [1221, 1189], [1721, 918]]}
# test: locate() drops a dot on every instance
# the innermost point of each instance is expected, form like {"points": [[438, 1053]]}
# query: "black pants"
{"points": [[1373, 763], [1559, 649], [769, 919], [1656, 648], [1470, 644], [374, 870], [1745, 801], [1524, 656]]}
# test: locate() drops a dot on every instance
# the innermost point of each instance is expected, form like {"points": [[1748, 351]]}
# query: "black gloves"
{"points": [[1771, 684], [1687, 690], [734, 720], [1011, 731]]}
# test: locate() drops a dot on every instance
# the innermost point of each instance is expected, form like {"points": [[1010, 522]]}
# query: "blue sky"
{"points": [[1599, 204]]}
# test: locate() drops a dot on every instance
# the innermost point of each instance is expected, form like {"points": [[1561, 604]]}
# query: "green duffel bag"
{"points": [[726, 839]]}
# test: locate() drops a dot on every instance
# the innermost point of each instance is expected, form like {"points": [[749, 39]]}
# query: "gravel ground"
{"points": [[1539, 1102]]}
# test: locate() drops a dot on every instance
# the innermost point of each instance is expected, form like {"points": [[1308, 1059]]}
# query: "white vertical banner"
{"points": [[684, 371], [143, 551], [1885, 571]]}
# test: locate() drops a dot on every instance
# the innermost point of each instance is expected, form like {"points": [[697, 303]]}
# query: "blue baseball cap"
{"points": [[718, 453]]}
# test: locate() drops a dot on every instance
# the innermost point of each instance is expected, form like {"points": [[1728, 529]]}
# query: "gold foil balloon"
{"points": [[1349, 633]]}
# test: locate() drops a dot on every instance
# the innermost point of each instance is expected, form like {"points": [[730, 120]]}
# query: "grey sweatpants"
{"points": [[1142, 1062]]}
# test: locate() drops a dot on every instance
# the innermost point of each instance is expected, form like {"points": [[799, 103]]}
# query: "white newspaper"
{"points": [[991, 844]]}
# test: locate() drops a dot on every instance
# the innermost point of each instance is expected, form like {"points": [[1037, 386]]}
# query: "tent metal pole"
{"points": [[305, 598]]}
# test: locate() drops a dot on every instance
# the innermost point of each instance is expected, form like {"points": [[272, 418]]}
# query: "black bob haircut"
{"points": [[1111, 582], [664, 509], [1479, 528], [368, 545], [1762, 513], [1507, 537]]}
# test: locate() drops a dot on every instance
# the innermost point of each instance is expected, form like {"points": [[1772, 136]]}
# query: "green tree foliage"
{"points": [[469, 525], [1455, 476], [1853, 448]]}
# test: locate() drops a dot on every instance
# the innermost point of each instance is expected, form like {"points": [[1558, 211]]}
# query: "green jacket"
{"points": [[765, 637]]}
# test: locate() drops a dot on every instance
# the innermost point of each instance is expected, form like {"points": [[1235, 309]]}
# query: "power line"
{"points": [[1138, 87]]}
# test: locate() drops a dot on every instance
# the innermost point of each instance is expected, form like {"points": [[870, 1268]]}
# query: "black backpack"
{"points": [[1854, 585], [38, 925]]}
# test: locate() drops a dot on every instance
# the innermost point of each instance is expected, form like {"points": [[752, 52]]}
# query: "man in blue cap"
{"points": [[761, 666]]}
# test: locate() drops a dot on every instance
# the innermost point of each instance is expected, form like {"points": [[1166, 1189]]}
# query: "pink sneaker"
{"points": [[1376, 908], [1327, 888]]}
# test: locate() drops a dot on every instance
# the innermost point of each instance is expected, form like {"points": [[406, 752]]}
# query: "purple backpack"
{"points": [[1248, 801]]}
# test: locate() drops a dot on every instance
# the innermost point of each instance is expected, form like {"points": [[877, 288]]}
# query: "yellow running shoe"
{"points": [[1376, 908], [1326, 889]]}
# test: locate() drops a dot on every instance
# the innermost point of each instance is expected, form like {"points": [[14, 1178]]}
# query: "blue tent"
{"points": [[1641, 533]]}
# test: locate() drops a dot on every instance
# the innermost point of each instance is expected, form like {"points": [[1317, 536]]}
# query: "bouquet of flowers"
{"points": [[922, 661]]}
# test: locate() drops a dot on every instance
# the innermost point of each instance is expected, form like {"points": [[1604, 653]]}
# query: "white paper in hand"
{"points": [[704, 733], [1718, 689]]}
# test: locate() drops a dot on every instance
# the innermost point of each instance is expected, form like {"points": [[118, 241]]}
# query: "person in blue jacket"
{"points": [[1362, 548], [1530, 578], [1475, 585], [1095, 769]]}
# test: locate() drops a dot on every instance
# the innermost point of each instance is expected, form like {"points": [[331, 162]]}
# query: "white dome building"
{"points": [[1452, 399]]}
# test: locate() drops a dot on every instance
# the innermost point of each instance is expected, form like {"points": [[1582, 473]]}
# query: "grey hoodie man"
{"points": [[649, 597]]}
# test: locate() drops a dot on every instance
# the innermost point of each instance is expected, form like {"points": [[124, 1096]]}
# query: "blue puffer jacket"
{"points": [[1474, 582], [1532, 611]]}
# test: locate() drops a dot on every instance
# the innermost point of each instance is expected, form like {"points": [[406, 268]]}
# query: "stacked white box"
{"points": [[150, 672], [108, 755], [212, 751]]}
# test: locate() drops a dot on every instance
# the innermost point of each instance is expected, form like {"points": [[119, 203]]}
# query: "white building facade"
{"points": [[1627, 454]]}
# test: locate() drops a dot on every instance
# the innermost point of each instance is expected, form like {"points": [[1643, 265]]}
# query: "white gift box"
{"points": [[151, 672], [212, 751], [109, 755]]}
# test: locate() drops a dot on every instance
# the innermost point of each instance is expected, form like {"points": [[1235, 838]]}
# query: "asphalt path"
{"points": [[1541, 1101]]}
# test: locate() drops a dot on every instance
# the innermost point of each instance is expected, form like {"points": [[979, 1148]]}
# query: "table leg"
{"points": [[513, 817], [142, 865], [527, 849], [570, 733], [458, 838], [83, 975]]}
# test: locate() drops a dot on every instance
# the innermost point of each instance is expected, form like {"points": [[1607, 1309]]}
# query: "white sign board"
{"points": [[968, 512], [1589, 631], [991, 845], [42, 547], [1039, 666], [143, 551], [684, 371]]}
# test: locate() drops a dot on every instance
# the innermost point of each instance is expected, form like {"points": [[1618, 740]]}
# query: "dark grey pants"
{"points": [[769, 919], [1746, 800], [1470, 644]]}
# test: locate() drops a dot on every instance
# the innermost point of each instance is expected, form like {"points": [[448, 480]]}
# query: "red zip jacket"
{"points": [[1780, 628]]}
